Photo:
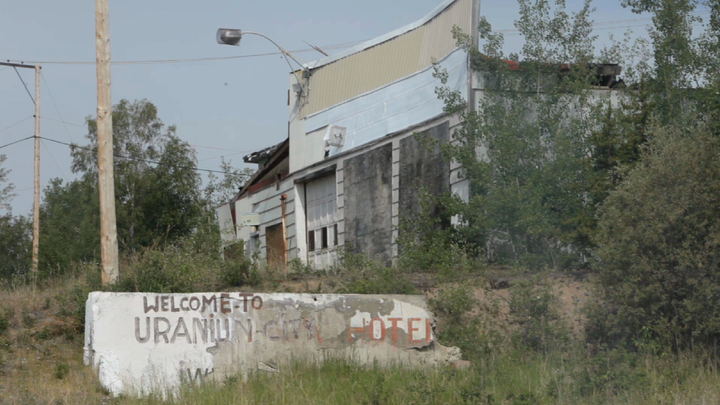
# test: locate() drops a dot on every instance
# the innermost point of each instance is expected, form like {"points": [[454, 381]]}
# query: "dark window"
{"points": [[335, 237], [311, 241], [324, 234]]}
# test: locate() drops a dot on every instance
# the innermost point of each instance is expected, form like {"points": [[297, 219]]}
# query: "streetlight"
{"points": [[230, 36]]}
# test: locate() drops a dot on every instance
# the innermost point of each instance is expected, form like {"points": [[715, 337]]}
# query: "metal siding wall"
{"points": [[387, 62], [438, 40]]}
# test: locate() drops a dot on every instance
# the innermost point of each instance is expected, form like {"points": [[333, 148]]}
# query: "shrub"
{"points": [[367, 276], [658, 250], [238, 272], [171, 270], [4, 324], [535, 310]]}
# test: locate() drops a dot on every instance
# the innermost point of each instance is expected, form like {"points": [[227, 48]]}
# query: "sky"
{"points": [[223, 107]]}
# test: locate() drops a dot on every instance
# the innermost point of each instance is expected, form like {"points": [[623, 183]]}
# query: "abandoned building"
{"points": [[351, 165]]}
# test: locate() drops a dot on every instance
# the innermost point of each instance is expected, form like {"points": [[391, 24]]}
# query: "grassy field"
{"points": [[41, 363]]}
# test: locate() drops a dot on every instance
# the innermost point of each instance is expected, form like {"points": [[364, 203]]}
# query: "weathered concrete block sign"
{"points": [[142, 343]]}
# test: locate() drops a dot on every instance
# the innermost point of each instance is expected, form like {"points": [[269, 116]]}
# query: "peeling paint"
{"points": [[143, 343]]}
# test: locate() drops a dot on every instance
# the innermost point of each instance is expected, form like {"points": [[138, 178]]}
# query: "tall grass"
{"points": [[515, 379]]}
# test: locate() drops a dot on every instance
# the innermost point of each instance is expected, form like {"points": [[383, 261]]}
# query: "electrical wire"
{"points": [[600, 23], [18, 141], [56, 107], [53, 159], [187, 60], [218, 157], [26, 87], [17, 123], [63, 122], [136, 159]]}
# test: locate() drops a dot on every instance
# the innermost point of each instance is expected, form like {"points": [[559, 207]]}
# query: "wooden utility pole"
{"points": [[108, 226], [36, 205]]}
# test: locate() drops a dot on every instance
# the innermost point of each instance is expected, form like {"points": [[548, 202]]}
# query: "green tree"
{"points": [[157, 186], [69, 224], [658, 229], [524, 152], [15, 232], [220, 190], [659, 239], [6, 190]]}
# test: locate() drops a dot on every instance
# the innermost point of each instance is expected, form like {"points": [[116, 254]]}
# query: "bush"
{"points": [[658, 250], [4, 324], [238, 272], [366, 276], [535, 310], [171, 270]]}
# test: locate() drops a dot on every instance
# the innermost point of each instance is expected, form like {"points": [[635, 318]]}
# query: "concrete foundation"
{"points": [[153, 343]]}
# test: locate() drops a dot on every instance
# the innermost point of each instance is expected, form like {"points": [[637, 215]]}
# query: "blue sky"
{"points": [[237, 104]]}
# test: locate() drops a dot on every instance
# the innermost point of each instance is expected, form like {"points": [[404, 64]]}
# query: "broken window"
{"points": [[311, 241], [324, 234]]}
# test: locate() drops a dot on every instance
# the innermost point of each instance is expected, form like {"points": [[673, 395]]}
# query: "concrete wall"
{"points": [[227, 227], [349, 198], [153, 343], [368, 202], [422, 168]]}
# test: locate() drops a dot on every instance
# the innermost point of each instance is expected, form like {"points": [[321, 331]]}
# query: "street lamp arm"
{"points": [[284, 52], [232, 37]]}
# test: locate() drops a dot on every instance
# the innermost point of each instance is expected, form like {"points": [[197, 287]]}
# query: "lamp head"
{"points": [[228, 36]]}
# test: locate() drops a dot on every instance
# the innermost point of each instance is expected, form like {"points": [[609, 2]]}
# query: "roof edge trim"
{"points": [[383, 38]]}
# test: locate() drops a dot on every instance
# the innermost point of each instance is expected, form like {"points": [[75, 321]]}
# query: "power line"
{"points": [[230, 154], [516, 31], [56, 107], [63, 122], [26, 87], [18, 141], [17, 123], [188, 60], [53, 159], [136, 159], [215, 147]]}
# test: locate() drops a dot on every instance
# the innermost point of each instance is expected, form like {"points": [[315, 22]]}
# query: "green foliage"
{"points": [[4, 323], [612, 372], [6, 190], [72, 305], [16, 242], [159, 200], [658, 248], [525, 153], [428, 243], [534, 309], [70, 225], [367, 276], [170, 270], [239, 271], [62, 369], [460, 326]]}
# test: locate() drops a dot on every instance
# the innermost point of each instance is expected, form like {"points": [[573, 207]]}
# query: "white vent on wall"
{"points": [[334, 137]]}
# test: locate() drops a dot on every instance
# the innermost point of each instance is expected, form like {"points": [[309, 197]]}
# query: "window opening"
{"points": [[324, 235], [311, 241]]}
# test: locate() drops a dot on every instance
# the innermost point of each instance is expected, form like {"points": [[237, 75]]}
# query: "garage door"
{"points": [[321, 203]]}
